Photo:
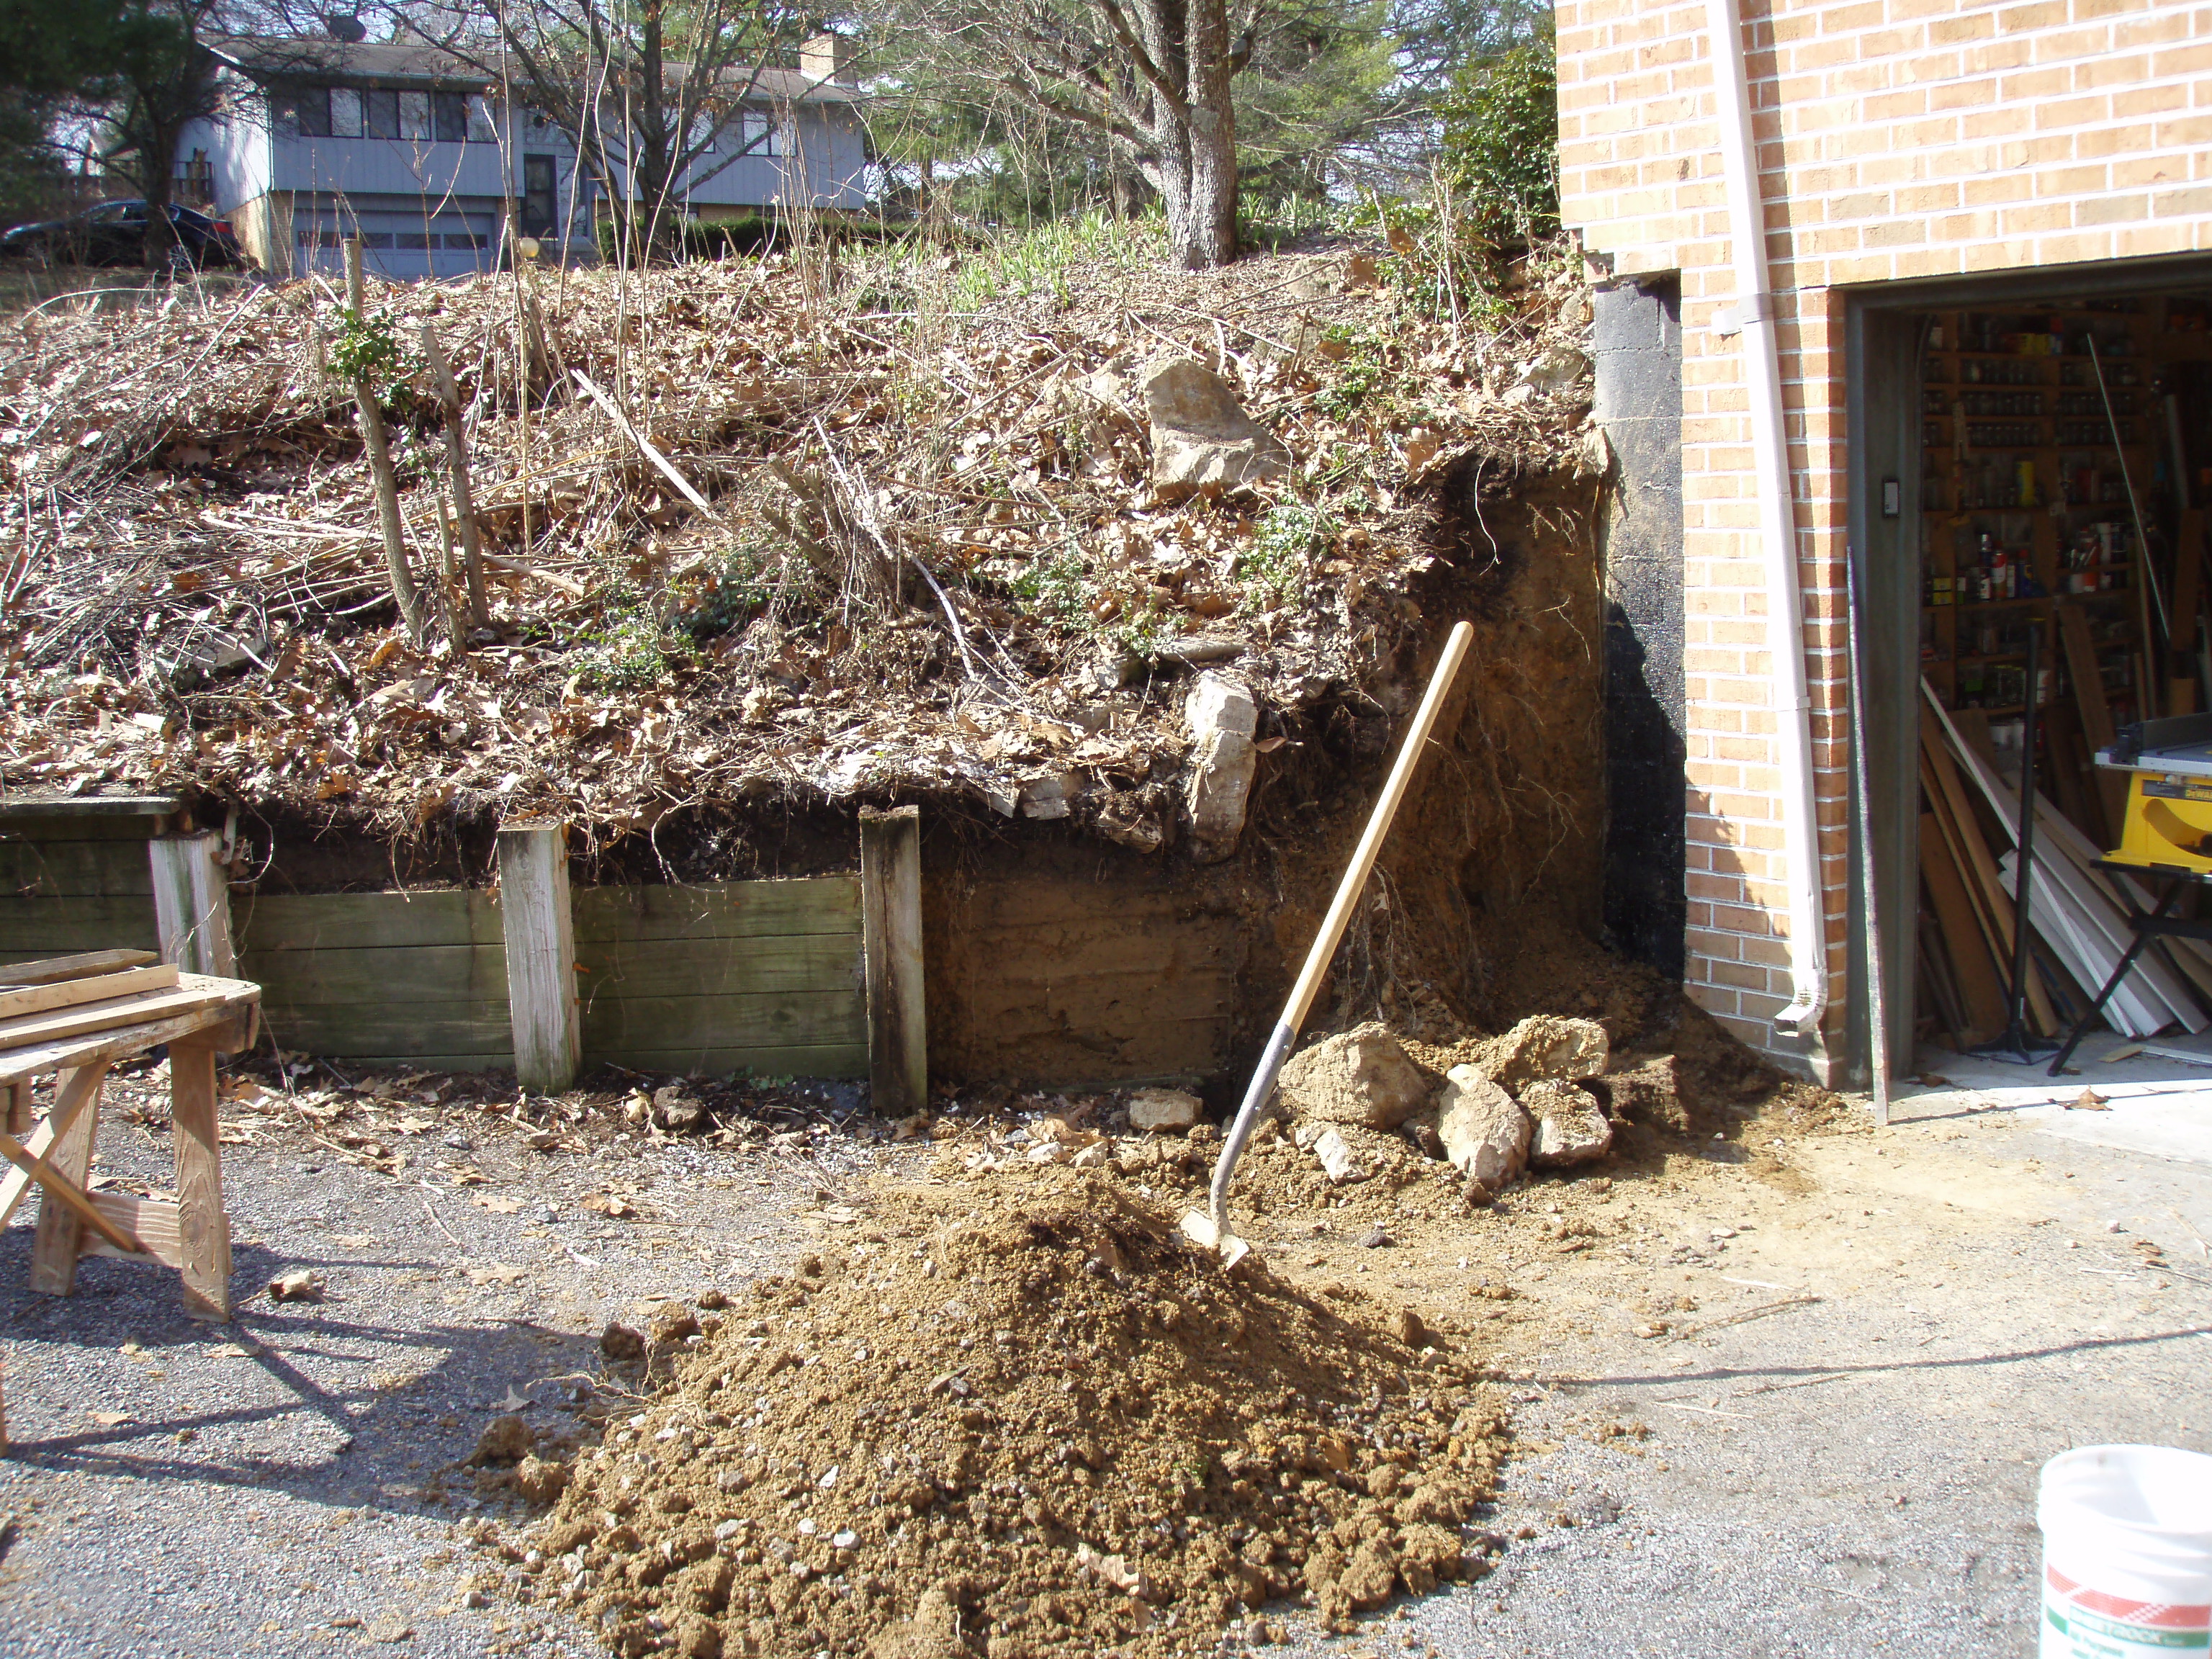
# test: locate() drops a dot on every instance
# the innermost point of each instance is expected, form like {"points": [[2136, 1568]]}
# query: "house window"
{"points": [[311, 107], [702, 134], [460, 241], [382, 108], [345, 111], [449, 117], [415, 240], [537, 215], [759, 134], [481, 128], [414, 117]]}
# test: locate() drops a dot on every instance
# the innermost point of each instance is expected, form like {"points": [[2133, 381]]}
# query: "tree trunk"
{"points": [[1191, 125], [158, 162]]}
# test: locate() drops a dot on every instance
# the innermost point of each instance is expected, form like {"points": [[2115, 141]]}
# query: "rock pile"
{"points": [[1519, 1104], [1039, 1425]]}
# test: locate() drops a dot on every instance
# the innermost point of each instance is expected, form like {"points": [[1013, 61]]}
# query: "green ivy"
{"points": [[1502, 142]]}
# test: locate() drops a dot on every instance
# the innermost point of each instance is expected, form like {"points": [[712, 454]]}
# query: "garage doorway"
{"points": [[2034, 450]]}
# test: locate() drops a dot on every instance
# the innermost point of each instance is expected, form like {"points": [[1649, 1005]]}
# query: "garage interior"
{"points": [[2033, 454]]}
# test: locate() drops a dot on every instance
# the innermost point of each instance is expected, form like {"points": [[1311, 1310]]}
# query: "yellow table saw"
{"points": [[2169, 818]]}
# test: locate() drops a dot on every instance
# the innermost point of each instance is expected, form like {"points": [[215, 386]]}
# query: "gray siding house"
{"points": [[411, 149]]}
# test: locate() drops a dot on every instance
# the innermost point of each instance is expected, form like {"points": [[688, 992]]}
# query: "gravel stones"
{"points": [[1544, 1047], [1570, 1126], [1361, 1075], [1486, 1134]]}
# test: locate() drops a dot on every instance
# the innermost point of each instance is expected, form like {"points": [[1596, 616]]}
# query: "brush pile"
{"points": [[933, 559], [1039, 1425]]}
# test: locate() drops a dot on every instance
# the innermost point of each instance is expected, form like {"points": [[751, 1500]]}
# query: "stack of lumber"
{"points": [[2078, 925], [64, 997]]}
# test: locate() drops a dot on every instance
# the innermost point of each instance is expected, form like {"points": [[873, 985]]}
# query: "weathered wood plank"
{"points": [[71, 809], [782, 1021], [817, 1059], [202, 1228], [393, 1029], [59, 926], [890, 912], [229, 1026], [315, 921], [75, 869], [68, 993], [33, 1030], [739, 909], [60, 1231], [73, 1093], [394, 974], [192, 903], [541, 955], [151, 1221], [49, 970], [721, 967]]}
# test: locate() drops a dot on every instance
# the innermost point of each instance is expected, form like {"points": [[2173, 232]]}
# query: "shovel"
{"points": [[1212, 1233]]}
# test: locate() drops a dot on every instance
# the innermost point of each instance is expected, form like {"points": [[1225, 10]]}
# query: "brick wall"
{"points": [[1897, 139]]}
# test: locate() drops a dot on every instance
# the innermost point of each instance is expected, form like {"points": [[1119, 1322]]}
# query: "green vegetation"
{"points": [[1285, 543], [1502, 142]]}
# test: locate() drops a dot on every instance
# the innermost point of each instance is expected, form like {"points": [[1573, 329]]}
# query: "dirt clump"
{"points": [[1026, 1420]]}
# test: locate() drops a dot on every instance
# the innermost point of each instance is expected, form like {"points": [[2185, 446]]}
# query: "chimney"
{"points": [[828, 56]]}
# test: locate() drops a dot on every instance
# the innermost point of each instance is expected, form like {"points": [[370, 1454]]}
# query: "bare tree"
{"points": [[650, 94]]}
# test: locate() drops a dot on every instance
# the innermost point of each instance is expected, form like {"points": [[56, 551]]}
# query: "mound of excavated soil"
{"points": [[1032, 1421]]}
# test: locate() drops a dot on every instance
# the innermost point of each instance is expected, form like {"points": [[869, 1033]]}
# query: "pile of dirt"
{"points": [[1031, 1420]]}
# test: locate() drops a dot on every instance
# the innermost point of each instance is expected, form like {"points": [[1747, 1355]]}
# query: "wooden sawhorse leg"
{"points": [[203, 1224], [60, 1237]]}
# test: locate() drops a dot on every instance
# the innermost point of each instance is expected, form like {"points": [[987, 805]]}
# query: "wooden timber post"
{"points": [[541, 956], [191, 904], [891, 924]]}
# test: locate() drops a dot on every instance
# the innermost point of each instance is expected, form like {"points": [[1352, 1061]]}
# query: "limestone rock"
{"points": [[1338, 1161], [1544, 1046], [1486, 1135], [1203, 442], [1569, 1127], [1163, 1110], [1221, 717], [1361, 1075]]}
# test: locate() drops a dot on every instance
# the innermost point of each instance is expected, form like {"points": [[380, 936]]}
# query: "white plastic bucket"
{"points": [[2127, 1553]]}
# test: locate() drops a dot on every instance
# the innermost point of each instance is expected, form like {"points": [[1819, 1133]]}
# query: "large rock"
{"points": [[1570, 1128], [1544, 1046], [1203, 442], [1360, 1076], [1484, 1132], [1163, 1110], [1222, 718]]}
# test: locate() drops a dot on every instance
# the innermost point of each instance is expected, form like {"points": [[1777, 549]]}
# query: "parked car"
{"points": [[114, 233]]}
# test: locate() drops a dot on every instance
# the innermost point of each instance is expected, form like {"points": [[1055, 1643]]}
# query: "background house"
{"points": [[1957, 201], [411, 148]]}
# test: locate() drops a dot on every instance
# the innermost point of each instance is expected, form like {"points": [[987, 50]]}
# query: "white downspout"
{"points": [[1778, 528]]}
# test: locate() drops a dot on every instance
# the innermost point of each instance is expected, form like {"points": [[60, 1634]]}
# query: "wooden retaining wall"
{"points": [[758, 976]]}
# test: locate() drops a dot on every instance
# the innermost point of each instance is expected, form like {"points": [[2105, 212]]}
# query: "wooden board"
{"points": [[73, 993], [32, 1029], [229, 1024], [612, 1029], [59, 926], [388, 974], [151, 1221], [1974, 973], [314, 921], [746, 909], [74, 1092], [47, 970], [341, 1031], [2089, 698], [75, 869], [646, 969]]}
